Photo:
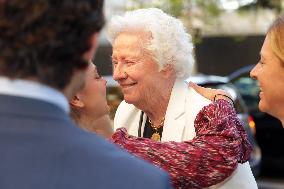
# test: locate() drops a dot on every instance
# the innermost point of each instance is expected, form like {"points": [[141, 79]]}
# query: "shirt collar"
{"points": [[31, 89]]}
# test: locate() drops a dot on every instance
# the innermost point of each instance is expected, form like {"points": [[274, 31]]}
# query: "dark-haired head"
{"points": [[46, 40]]}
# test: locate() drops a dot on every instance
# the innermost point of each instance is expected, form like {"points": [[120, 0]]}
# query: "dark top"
{"points": [[149, 131]]}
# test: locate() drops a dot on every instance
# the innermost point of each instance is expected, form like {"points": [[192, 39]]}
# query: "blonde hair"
{"points": [[276, 35]]}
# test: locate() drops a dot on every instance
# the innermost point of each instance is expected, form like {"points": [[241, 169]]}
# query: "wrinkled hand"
{"points": [[211, 93]]}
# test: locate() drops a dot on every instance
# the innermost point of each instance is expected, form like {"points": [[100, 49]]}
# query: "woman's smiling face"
{"points": [[93, 95], [134, 69], [270, 73]]}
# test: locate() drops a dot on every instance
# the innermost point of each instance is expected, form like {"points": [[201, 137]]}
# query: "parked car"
{"points": [[115, 96], [269, 130], [219, 82]]}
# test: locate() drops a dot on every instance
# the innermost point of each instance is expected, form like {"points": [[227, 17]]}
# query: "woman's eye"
{"points": [[129, 62], [114, 62], [98, 77]]}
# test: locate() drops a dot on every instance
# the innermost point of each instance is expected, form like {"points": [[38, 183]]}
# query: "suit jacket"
{"points": [[184, 105], [40, 147]]}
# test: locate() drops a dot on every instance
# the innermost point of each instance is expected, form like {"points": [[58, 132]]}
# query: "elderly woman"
{"points": [[152, 55], [270, 71], [186, 162]]}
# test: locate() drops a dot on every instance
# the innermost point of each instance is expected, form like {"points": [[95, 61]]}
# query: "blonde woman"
{"points": [[269, 71]]}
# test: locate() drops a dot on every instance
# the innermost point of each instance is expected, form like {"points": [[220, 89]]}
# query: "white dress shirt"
{"points": [[34, 90]]}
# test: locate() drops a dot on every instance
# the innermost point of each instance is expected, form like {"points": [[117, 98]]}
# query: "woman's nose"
{"points": [[119, 73], [253, 72]]}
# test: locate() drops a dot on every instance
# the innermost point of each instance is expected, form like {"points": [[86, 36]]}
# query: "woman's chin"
{"points": [[129, 99], [262, 106]]}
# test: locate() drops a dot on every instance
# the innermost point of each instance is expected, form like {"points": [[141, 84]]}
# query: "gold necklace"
{"points": [[156, 135]]}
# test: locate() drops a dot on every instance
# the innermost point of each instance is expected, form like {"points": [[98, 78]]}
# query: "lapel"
{"points": [[128, 116], [175, 114], [184, 105], [134, 126]]}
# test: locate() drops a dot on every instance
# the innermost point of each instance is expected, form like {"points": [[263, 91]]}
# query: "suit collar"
{"points": [[23, 106], [177, 100]]}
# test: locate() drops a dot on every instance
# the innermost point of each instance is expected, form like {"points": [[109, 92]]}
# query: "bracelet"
{"points": [[224, 96]]}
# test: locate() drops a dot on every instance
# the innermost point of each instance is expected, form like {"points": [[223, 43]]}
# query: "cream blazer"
{"points": [[184, 105]]}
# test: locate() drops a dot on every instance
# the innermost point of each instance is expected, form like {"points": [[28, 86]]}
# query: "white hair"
{"points": [[170, 42]]}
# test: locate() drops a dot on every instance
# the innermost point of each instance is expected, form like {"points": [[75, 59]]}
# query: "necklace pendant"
{"points": [[156, 137]]}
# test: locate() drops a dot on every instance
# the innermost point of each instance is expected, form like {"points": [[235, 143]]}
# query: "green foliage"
{"points": [[178, 8], [211, 7], [267, 4], [175, 7], [205, 12]]}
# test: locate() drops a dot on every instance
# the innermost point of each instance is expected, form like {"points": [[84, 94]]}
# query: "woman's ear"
{"points": [[76, 102], [168, 71]]}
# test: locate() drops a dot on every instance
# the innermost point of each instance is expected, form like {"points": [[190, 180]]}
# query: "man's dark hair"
{"points": [[46, 39]]}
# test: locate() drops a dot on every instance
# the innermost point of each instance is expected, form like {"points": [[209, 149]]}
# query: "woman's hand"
{"points": [[212, 94]]}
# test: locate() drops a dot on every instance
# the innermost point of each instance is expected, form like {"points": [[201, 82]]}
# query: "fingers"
{"points": [[196, 87], [205, 92]]}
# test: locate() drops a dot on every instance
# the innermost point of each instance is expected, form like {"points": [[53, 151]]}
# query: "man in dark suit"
{"points": [[45, 46]]}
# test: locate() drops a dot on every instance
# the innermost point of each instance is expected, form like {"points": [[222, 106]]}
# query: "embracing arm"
{"points": [[208, 159]]}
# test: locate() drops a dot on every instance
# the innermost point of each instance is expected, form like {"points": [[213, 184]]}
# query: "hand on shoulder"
{"points": [[212, 94]]}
